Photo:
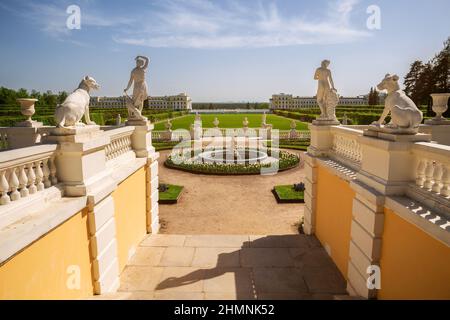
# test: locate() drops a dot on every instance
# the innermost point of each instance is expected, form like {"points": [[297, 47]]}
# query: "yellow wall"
{"points": [[130, 214], [413, 264], [40, 271], [334, 216]]}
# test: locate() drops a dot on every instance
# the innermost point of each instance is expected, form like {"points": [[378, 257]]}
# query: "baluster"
{"points": [[23, 181], [445, 190], [420, 179], [46, 172], [39, 175], [14, 184], [31, 179], [52, 165], [4, 187], [428, 175]]}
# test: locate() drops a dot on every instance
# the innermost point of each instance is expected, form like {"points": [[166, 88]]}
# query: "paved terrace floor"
{"points": [[227, 238], [219, 267]]}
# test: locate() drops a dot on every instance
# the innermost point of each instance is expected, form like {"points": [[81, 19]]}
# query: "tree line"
{"points": [[430, 77], [48, 98]]}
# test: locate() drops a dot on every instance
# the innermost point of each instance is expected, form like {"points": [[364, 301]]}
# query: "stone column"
{"points": [[386, 170], [81, 166], [142, 145], [309, 223], [141, 140], [321, 142]]}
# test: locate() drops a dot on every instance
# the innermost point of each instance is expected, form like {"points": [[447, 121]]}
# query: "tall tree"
{"points": [[411, 81]]}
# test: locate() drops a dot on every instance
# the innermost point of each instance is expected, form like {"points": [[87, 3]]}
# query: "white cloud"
{"points": [[202, 23], [207, 24]]}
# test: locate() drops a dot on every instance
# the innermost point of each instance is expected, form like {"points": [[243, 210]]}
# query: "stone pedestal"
{"points": [[321, 140], [80, 158], [325, 122], [24, 136], [387, 164], [137, 122], [439, 132], [141, 140]]}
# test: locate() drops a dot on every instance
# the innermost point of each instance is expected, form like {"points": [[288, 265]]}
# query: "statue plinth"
{"points": [[137, 122], [29, 124], [393, 130], [391, 134], [76, 134], [437, 122], [326, 122]]}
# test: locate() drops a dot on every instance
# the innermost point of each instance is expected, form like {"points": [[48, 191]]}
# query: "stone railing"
{"points": [[120, 142], [346, 147], [300, 135], [432, 174], [26, 171]]}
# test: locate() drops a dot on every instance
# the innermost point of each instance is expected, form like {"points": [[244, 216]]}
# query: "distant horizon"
{"points": [[227, 51]]}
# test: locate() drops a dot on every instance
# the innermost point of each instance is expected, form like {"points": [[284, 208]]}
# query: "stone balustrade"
{"points": [[345, 146], [301, 135], [433, 168], [26, 171], [120, 142]]}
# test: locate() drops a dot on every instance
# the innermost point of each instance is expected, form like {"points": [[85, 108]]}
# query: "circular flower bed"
{"points": [[285, 160]]}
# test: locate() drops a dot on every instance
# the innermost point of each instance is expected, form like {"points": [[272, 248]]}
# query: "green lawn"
{"points": [[171, 194], [287, 193], [232, 121]]}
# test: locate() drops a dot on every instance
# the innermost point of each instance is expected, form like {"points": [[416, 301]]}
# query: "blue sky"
{"points": [[236, 50]]}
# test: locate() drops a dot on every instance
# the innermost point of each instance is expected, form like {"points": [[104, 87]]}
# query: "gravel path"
{"points": [[229, 204]]}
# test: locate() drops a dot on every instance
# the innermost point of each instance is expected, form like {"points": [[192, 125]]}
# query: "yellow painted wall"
{"points": [[413, 264], [334, 216], [130, 214], [40, 271]]}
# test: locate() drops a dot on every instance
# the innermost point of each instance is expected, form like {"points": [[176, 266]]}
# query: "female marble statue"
{"points": [[327, 96], [325, 85], [140, 86]]}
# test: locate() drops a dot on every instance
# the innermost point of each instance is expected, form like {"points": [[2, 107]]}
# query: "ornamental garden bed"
{"points": [[169, 193], [288, 194], [286, 161]]}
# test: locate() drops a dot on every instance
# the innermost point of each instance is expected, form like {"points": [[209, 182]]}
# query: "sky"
{"points": [[217, 50]]}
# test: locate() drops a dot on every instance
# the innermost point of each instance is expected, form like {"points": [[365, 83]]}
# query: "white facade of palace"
{"points": [[288, 101], [179, 102], [107, 102]]}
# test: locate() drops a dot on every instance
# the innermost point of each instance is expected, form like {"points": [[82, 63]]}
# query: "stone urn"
{"points": [[216, 122], [27, 109], [440, 105]]}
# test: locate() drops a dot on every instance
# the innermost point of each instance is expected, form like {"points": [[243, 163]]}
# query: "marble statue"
{"points": [[264, 119], [76, 105], [168, 125], [327, 96], [135, 104], [216, 122], [245, 122], [198, 117], [405, 116]]}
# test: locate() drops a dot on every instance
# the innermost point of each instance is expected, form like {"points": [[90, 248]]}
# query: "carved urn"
{"points": [[27, 109], [216, 122], [440, 104]]}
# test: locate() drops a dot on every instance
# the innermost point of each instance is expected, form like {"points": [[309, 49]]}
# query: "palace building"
{"points": [[288, 101]]}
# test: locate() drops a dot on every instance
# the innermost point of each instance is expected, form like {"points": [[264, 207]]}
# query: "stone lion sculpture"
{"points": [[405, 116], [76, 105]]}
